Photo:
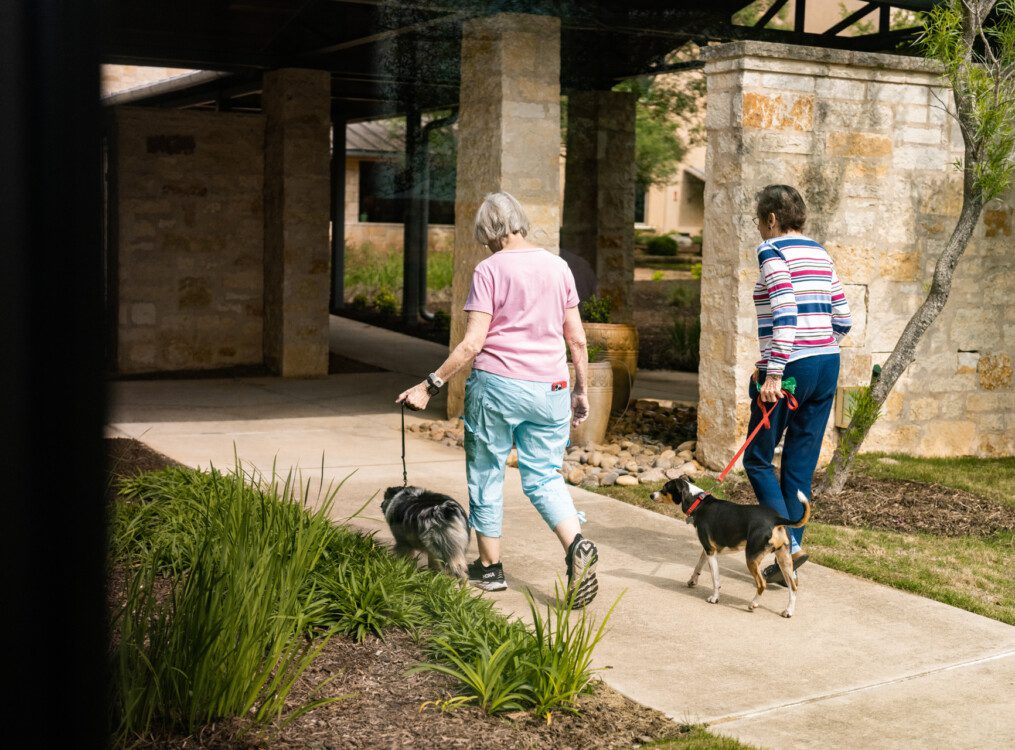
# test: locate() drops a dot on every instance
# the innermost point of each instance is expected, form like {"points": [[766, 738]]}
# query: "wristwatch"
{"points": [[433, 384]]}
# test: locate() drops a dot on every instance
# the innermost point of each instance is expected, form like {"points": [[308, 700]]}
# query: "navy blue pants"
{"points": [[816, 378]]}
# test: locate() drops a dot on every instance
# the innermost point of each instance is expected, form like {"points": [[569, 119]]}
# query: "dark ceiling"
{"points": [[386, 56]]}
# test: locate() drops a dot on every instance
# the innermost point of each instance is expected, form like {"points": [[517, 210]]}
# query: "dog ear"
{"points": [[391, 492]]}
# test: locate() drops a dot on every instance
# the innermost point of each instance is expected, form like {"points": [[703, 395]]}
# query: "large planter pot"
{"points": [[620, 344], [599, 388]]}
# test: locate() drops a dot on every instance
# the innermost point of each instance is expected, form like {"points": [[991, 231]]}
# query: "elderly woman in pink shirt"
{"points": [[522, 308]]}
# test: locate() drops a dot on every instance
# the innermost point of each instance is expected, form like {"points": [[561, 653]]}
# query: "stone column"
{"points": [[869, 141], [508, 139], [297, 195], [599, 190]]}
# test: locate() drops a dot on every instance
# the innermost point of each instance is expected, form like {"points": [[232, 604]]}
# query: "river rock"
{"points": [[669, 453], [609, 462], [687, 445], [685, 455], [631, 466], [627, 480], [674, 473], [609, 479], [575, 476], [652, 475], [662, 463]]}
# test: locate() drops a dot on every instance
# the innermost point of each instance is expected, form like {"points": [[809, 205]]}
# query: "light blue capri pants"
{"points": [[500, 411]]}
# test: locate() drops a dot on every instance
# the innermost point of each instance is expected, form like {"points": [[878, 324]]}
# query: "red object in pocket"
{"points": [[559, 385]]}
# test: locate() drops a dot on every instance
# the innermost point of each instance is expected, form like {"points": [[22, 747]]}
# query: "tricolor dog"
{"points": [[725, 526]]}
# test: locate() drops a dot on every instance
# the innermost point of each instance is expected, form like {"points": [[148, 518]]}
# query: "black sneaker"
{"points": [[581, 560], [773, 573], [487, 577]]}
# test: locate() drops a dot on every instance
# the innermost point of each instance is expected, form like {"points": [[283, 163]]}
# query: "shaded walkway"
{"points": [[880, 668]]}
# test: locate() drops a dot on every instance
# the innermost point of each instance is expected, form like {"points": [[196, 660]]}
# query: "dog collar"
{"points": [[696, 503]]}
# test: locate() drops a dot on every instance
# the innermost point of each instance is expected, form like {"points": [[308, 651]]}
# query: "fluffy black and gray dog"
{"points": [[429, 522]]}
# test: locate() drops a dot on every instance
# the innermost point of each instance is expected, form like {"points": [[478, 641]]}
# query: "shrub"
{"points": [[696, 239], [543, 668], [226, 637], [684, 337], [596, 309], [662, 245], [359, 302], [696, 271], [686, 298], [658, 276], [386, 303], [441, 321]]}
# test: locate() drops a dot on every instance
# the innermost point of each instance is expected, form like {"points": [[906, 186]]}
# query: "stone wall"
{"points": [[189, 292], [869, 142], [508, 139], [385, 236], [297, 211]]}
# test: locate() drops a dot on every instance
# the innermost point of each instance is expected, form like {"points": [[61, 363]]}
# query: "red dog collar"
{"points": [[695, 504]]}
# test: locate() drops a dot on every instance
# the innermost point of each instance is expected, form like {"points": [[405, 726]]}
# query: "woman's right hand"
{"points": [[579, 408]]}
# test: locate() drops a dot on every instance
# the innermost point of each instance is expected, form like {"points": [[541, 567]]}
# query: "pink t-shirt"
{"points": [[526, 292]]}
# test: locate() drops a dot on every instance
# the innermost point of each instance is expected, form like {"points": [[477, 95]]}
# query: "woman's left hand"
{"points": [[771, 390], [416, 398]]}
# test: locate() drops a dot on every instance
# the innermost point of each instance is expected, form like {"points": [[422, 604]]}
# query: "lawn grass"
{"points": [[971, 573], [698, 738], [990, 478]]}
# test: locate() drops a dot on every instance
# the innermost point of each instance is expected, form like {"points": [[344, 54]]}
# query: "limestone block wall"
{"points": [[297, 256], [508, 139], [189, 292], [869, 141], [384, 236]]}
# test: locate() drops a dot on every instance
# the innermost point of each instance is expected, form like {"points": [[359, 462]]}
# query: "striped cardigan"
{"points": [[802, 311]]}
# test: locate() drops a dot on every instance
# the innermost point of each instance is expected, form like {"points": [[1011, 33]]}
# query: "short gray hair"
{"points": [[500, 215]]}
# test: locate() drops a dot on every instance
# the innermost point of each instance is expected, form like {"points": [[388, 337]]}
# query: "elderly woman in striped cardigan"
{"points": [[802, 315]]}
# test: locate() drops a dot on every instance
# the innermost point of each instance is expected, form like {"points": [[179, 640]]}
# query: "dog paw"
{"points": [[752, 606], [787, 613], [692, 583], [714, 599]]}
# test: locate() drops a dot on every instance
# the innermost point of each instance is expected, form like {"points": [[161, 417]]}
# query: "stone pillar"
{"points": [[297, 196], [599, 190], [869, 141], [508, 139]]}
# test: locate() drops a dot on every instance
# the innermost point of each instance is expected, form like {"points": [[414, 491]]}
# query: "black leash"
{"points": [[405, 473]]}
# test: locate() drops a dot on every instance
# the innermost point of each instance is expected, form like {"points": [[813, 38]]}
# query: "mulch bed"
{"points": [[899, 505]]}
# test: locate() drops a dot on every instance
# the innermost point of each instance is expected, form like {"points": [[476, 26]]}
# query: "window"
{"points": [[380, 196]]}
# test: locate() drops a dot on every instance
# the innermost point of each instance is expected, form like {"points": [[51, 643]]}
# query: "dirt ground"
{"points": [[896, 505]]}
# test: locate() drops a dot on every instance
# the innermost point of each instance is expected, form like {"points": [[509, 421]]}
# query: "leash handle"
{"points": [[405, 473], [791, 404]]}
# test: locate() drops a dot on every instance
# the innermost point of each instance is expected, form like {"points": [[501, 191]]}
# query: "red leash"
{"points": [[791, 404]]}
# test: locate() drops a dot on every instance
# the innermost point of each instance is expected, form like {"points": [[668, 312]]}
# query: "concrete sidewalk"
{"points": [[859, 666]]}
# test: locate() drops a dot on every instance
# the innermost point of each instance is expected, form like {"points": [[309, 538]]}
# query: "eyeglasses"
{"points": [[757, 221]]}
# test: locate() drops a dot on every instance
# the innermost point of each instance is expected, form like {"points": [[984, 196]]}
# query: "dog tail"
{"points": [[803, 519]]}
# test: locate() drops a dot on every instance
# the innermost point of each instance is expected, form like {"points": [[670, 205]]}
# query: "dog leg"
{"points": [[713, 567], [693, 580], [785, 561], [434, 563], [457, 567], [754, 565], [403, 550]]}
